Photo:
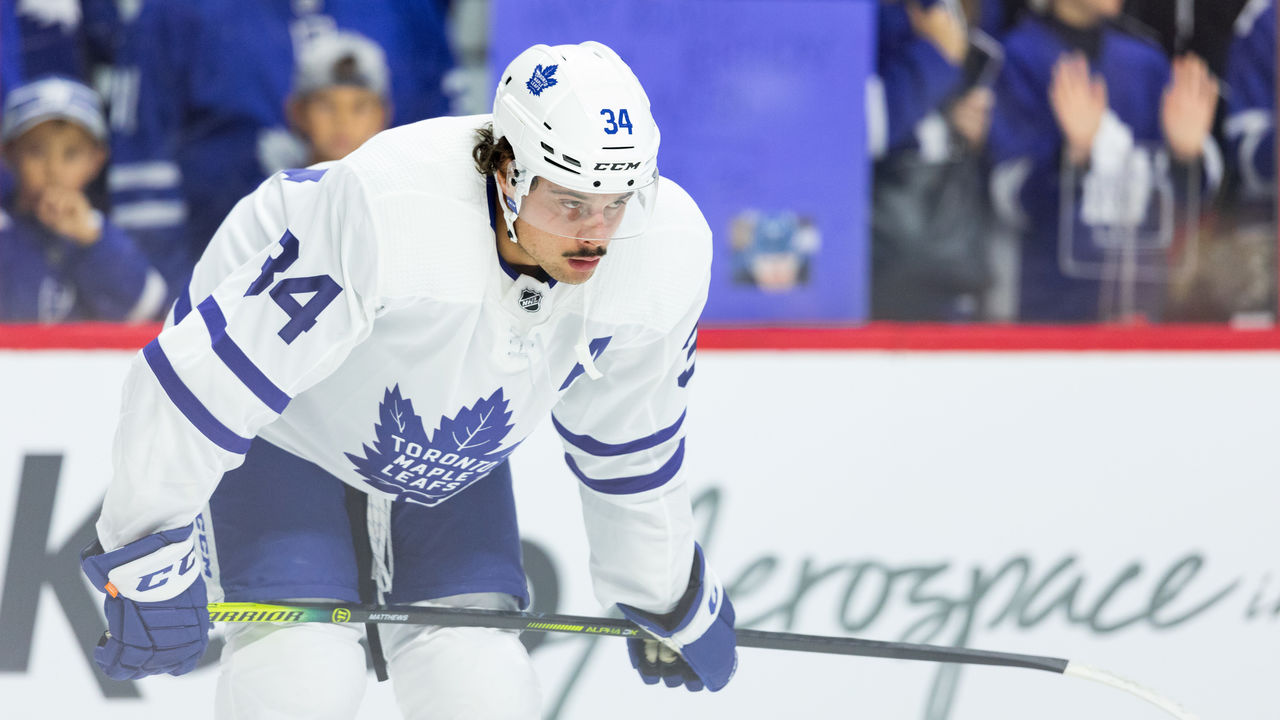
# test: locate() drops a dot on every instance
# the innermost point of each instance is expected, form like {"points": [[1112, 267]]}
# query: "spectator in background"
{"points": [[10, 70], [929, 213], [1082, 106], [72, 38], [1234, 278], [59, 260], [1250, 129], [198, 111], [341, 95], [1203, 27], [996, 17], [10, 48]]}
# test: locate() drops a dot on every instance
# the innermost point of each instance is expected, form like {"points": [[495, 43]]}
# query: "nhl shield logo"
{"points": [[530, 300]]}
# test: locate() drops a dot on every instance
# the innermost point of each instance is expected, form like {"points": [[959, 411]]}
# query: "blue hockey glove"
{"points": [[693, 645], [157, 614]]}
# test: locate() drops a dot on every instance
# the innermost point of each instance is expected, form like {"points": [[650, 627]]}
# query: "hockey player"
{"points": [[393, 325], [1082, 103]]}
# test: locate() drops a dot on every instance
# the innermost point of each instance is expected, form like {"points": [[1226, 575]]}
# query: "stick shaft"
{"points": [[612, 627], [583, 625]]}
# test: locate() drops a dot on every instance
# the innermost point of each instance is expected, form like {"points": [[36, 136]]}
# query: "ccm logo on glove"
{"points": [[160, 575]]}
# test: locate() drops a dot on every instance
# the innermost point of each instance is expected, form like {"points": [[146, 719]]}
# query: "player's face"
{"points": [[563, 231], [53, 154], [339, 119], [568, 260]]}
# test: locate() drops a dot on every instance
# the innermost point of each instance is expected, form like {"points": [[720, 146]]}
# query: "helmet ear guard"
{"points": [[519, 182]]}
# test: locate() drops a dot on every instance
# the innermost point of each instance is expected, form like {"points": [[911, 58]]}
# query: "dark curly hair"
{"points": [[490, 155]]}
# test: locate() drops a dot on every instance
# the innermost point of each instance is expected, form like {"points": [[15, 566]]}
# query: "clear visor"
{"points": [[587, 216]]}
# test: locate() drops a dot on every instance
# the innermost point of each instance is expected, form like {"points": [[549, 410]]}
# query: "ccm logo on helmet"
{"points": [[618, 166]]}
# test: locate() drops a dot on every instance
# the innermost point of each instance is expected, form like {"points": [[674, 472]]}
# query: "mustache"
{"points": [[598, 252]]}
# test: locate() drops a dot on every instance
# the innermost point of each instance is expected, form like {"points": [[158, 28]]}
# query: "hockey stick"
{"points": [[614, 627]]}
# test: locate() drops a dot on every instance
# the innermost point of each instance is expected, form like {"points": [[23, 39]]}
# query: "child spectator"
{"points": [[59, 260], [1090, 132], [341, 95]]}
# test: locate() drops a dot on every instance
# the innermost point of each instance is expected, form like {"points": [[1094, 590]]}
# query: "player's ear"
{"points": [[504, 179]]}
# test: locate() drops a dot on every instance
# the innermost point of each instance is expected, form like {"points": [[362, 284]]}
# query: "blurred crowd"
{"points": [[1074, 161], [1035, 160], [132, 127]]}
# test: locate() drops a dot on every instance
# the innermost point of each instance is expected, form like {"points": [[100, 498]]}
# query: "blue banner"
{"points": [[761, 107]]}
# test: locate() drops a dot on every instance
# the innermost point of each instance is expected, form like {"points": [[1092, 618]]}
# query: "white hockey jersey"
{"points": [[358, 316]]}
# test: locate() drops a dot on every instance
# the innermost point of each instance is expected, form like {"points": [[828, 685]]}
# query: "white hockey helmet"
{"points": [[577, 117]]}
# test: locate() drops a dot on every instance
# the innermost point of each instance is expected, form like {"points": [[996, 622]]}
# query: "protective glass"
{"points": [[580, 215]]}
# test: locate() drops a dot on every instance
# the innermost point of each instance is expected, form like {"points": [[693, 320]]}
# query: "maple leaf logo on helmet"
{"points": [[542, 79]]}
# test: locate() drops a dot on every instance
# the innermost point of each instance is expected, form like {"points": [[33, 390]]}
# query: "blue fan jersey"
{"points": [[914, 80], [1250, 128], [47, 278]]}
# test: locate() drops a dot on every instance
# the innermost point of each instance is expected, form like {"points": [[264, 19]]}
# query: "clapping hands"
{"points": [[1079, 101], [1187, 108]]}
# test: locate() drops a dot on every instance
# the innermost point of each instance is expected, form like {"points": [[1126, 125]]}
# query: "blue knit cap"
{"points": [[51, 98]]}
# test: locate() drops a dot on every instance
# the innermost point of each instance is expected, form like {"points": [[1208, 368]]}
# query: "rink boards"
{"points": [[1118, 508]]}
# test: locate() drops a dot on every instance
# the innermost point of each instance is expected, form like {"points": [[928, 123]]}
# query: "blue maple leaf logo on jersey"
{"points": [[429, 469], [542, 79]]}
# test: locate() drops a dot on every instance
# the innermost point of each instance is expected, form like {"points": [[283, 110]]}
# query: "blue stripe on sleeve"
{"points": [[237, 362], [592, 446], [631, 485], [685, 376], [191, 407], [182, 307]]}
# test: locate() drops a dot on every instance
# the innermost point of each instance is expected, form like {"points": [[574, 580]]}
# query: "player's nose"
{"points": [[594, 235], [592, 245], [595, 226]]}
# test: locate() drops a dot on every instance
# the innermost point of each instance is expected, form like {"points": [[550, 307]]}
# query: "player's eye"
{"points": [[571, 204]]}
